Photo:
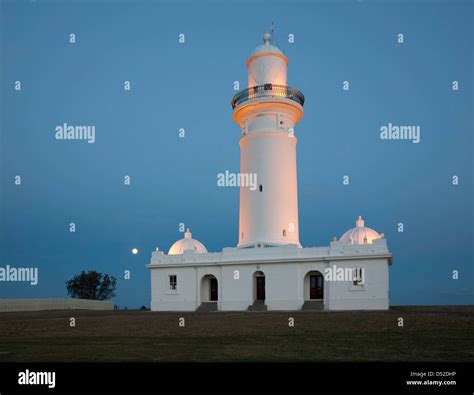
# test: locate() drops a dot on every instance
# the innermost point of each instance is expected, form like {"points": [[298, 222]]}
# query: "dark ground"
{"points": [[443, 333]]}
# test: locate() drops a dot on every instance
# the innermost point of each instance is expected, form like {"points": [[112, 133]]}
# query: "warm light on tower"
{"points": [[267, 112]]}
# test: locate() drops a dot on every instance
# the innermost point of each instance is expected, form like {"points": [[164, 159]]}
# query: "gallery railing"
{"points": [[268, 90]]}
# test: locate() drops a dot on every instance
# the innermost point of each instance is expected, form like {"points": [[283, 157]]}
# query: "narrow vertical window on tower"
{"points": [[281, 121], [260, 188], [284, 232]]}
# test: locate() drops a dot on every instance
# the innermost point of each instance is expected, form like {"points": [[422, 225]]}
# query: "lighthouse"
{"points": [[267, 112], [268, 269]]}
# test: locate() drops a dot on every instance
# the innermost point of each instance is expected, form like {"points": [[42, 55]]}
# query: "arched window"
{"points": [[284, 232], [260, 188]]}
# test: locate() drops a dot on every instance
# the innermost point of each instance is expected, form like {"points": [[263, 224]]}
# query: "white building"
{"points": [[269, 269]]}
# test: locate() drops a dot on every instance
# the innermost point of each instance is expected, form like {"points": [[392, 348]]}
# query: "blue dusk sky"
{"points": [[190, 85]]}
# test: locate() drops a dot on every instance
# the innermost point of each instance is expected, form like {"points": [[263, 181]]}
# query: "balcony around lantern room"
{"points": [[268, 90]]}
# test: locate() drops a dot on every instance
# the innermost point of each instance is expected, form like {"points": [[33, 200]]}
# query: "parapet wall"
{"points": [[53, 304]]}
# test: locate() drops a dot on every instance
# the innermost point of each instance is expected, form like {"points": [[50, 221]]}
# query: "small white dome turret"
{"points": [[187, 243], [360, 234]]}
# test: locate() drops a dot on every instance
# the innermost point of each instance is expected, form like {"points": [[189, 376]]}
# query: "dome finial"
{"points": [[267, 39], [187, 234], [360, 222]]}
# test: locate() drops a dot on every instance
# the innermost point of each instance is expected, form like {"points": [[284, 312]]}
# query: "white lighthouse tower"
{"points": [[267, 112]]}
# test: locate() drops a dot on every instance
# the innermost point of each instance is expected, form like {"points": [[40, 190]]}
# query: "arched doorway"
{"points": [[314, 286], [258, 292], [259, 286], [209, 289]]}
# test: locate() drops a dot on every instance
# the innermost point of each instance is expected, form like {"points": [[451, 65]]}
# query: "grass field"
{"points": [[428, 334]]}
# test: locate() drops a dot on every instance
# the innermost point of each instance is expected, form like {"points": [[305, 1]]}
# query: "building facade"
{"points": [[269, 269]]}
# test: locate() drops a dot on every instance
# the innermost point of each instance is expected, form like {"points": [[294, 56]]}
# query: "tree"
{"points": [[91, 285]]}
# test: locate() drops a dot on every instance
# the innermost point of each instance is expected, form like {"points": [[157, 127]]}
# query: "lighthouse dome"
{"points": [[267, 46], [267, 64], [360, 234], [187, 243]]}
